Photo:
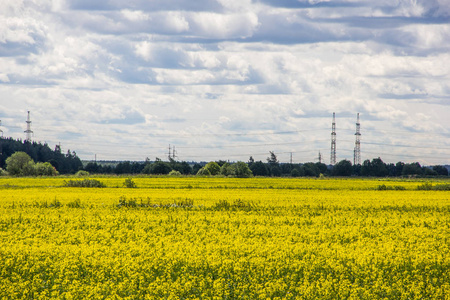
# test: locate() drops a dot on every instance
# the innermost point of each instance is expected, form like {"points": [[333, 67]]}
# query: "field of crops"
{"points": [[224, 238]]}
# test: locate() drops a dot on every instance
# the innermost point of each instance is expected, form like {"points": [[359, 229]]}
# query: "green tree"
{"points": [[157, 168], [17, 163], [310, 169], [296, 172], [342, 168], [29, 169], [227, 169], [366, 168], [379, 168], [213, 168], [399, 168], [196, 168], [272, 159], [259, 169], [412, 169], [441, 170], [242, 170]]}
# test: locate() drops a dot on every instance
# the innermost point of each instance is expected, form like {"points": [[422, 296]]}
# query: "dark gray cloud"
{"points": [[312, 4], [386, 22], [154, 5]]}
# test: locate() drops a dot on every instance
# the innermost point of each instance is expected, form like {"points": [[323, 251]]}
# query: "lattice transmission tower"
{"points": [[333, 141], [357, 151], [28, 131]]}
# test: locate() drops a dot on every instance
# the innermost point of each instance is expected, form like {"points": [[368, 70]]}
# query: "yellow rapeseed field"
{"points": [[224, 238]]}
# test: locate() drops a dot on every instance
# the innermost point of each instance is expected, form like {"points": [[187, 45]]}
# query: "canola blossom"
{"points": [[224, 238]]}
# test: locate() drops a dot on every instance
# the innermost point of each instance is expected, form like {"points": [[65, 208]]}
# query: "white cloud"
{"points": [[144, 50], [4, 77], [220, 26], [222, 73]]}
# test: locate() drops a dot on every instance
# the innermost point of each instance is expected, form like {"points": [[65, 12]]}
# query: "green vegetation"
{"points": [[90, 183], [47, 161], [67, 163], [21, 164]]}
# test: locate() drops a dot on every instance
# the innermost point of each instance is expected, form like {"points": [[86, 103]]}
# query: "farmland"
{"points": [[224, 238]]}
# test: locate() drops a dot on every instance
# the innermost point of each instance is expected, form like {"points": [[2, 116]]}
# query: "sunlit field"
{"points": [[224, 238]]}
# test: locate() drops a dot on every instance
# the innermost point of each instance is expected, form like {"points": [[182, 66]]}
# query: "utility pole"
{"points": [[1, 131], [291, 159], [28, 131], [174, 153], [333, 141], [170, 153], [320, 157], [357, 151]]}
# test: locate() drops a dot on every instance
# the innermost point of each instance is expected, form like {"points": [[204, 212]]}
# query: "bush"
{"points": [[237, 204], [74, 204], [174, 173], [442, 187], [129, 183], [21, 164], [45, 169], [427, 186], [29, 169], [3, 172], [384, 187], [203, 172], [85, 183], [82, 173]]}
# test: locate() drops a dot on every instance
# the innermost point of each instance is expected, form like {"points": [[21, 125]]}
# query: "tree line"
{"points": [[271, 167], [69, 163], [64, 163]]}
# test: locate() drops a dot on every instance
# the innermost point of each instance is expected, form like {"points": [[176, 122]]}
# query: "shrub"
{"points": [[3, 172], [384, 187], [85, 183], [45, 169], [82, 173], [203, 172], [129, 183], [74, 204], [237, 204], [29, 169], [174, 173], [442, 187], [427, 186]]}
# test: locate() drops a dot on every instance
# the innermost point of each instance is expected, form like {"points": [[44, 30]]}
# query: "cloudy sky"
{"points": [[228, 79]]}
